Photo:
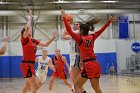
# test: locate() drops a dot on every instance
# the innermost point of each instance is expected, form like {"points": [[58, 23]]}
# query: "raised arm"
{"points": [[99, 32], [66, 36], [28, 25], [68, 28], [49, 41], [4, 47]]}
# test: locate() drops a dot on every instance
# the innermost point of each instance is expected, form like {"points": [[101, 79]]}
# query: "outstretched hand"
{"points": [[62, 13], [113, 18], [6, 39], [55, 34], [30, 14]]}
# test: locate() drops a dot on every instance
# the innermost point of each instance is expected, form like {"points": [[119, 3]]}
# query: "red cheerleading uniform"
{"points": [[29, 48], [91, 68], [59, 67]]}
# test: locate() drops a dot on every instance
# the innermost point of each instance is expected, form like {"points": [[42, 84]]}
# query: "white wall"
{"points": [[104, 46], [45, 31], [123, 49], [101, 46]]}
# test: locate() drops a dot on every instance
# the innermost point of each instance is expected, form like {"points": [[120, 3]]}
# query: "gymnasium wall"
{"points": [[44, 30], [10, 62], [107, 51], [123, 50], [108, 47]]}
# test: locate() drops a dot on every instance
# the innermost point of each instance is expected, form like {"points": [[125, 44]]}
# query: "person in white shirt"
{"points": [[112, 69], [43, 63], [42, 69]]}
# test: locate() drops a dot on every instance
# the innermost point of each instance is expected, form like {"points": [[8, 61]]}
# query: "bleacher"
{"points": [[132, 65]]}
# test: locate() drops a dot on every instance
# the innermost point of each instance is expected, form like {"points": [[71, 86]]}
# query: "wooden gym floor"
{"points": [[120, 84]]}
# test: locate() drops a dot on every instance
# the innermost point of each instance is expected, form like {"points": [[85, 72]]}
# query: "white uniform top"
{"points": [[73, 50], [42, 65], [72, 46]]}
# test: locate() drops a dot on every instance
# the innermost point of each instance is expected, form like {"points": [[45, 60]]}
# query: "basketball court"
{"points": [[120, 84], [117, 49]]}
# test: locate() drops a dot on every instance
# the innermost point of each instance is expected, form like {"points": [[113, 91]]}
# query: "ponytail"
{"points": [[88, 26], [92, 22], [22, 31]]}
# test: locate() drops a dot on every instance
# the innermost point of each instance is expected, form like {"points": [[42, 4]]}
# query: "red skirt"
{"points": [[61, 74], [27, 69], [91, 69]]}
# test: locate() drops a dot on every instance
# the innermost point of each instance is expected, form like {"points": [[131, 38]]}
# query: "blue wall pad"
{"points": [[10, 65]]}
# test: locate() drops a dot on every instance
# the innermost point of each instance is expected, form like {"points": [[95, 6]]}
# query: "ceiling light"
{"points": [[60, 1], [1, 2], [82, 1], [109, 1]]}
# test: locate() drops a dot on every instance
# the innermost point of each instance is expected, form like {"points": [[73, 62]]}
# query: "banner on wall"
{"points": [[135, 47], [123, 25]]}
